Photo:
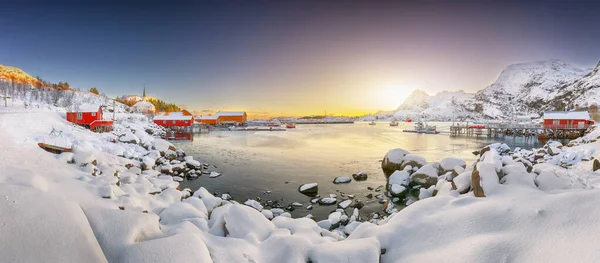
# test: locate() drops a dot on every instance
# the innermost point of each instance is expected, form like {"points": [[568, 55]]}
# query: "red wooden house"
{"points": [[579, 120], [224, 117], [174, 119], [89, 116]]}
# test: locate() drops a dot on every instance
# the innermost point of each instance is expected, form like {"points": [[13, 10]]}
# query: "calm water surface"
{"points": [[255, 162]]}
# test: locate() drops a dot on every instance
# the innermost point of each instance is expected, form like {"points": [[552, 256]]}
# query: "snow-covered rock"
{"points": [[309, 189], [342, 180]]}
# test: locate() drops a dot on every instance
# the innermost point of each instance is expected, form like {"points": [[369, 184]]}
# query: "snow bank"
{"points": [[39, 227]]}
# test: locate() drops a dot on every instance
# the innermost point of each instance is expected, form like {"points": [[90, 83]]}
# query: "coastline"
{"points": [[102, 178]]}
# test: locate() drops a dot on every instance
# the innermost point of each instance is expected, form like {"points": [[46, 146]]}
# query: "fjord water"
{"points": [[253, 163]]}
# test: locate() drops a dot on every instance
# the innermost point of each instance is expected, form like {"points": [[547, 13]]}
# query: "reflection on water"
{"points": [[253, 163]]}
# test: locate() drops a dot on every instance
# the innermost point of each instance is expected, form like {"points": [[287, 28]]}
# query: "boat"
{"points": [[274, 123], [421, 127], [372, 123], [393, 123], [290, 125], [54, 148]]}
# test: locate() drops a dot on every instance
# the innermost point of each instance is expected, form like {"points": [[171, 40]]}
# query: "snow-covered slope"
{"points": [[526, 88], [442, 106], [584, 91]]}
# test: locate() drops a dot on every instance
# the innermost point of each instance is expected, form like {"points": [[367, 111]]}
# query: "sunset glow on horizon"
{"points": [[290, 58]]}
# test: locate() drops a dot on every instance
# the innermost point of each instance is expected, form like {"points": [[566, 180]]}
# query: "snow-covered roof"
{"points": [[230, 113], [88, 108], [172, 116], [566, 115], [144, 105]]}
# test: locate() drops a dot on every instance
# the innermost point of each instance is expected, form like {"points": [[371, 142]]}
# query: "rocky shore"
{"points": [[123, 198]]}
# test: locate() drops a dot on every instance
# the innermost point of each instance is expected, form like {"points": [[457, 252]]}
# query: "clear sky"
{"points": [[292, 58]]}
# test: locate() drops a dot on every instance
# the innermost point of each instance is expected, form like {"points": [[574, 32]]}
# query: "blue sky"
{"points": [[287, 57]]}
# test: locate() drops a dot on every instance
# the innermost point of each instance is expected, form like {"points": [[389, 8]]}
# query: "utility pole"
{"points": [[114, 109]]}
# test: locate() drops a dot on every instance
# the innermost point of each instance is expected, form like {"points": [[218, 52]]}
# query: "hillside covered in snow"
{"points": [[520, 89]]}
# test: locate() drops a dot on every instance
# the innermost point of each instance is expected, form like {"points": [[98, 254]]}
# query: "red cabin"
{"points": [[174, 119], [579, 120], [90, 116]]}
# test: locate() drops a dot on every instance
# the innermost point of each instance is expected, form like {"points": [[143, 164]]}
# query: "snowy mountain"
{"points": [[582, 92], [525, 88], [442, 106]]}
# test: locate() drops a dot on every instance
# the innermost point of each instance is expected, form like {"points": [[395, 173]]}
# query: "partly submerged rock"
{"points": [[392, 161], [360, 176], [342, 180], [327, 201], [309, 189]]}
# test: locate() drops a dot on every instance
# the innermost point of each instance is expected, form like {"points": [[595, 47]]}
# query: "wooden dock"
{"points": [[513, 129]]}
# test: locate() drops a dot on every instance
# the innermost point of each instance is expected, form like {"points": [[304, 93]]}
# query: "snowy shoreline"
{"points": [[113, 200]]}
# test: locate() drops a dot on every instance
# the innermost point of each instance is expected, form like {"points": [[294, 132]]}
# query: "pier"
{"points": [[514, 129]]}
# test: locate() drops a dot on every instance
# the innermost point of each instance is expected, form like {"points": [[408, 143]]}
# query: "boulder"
{"points": [[596, 165], [309, 189], [448, 164], [476, 184], [327, 201], [392, 161], [342, 180], [426, 176], [361, 176], [413, 161]]}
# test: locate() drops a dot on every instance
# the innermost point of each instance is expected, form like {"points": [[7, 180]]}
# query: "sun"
{"points": [[391, 95]]}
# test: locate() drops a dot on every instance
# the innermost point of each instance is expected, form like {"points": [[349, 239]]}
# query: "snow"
{"points": [[245, 222], [88, 108], [214, 174], [358, 250], [566, 115], [396, 155], [254, 204], [305, 187], [414, 160], [40, 227], [53, 211], [179, 248], [525, 88], [399, 177], [143, 107], [448, 163]]}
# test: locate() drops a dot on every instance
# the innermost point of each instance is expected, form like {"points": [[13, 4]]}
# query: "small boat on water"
{"points": [[393, 123], [423, 128], [290, 125], [372, 123], [274, 123]]}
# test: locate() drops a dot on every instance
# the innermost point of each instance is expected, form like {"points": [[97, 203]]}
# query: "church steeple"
{"points": [[144, 92]]}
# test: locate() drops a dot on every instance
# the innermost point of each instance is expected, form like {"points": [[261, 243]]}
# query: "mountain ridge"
{"points": [[520, 89]]}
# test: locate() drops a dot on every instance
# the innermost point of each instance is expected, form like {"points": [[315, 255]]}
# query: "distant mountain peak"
{"points": [[522, 88]]}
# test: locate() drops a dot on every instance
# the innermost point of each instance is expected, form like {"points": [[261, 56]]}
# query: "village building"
{"points": [[224, 117], [567, 120], [175, 119], [90, 116], [143, 106], [208, 120]]}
